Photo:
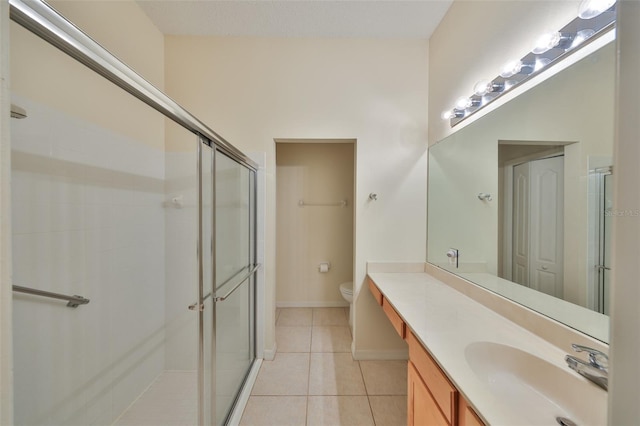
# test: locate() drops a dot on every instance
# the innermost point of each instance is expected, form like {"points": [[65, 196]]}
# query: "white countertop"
{"points": [[446, 322]]}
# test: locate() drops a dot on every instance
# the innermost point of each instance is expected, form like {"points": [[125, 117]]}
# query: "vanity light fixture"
{"points": [[595, 18]]}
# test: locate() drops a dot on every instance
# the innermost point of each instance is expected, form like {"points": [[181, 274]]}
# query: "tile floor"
{"points": [[313, 379]]}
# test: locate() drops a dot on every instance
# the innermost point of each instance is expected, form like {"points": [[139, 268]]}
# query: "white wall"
{"points": [[254, 90], [306, 236]]}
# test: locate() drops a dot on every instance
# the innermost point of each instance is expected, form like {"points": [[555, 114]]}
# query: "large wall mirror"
{"points": [[524, 195]]}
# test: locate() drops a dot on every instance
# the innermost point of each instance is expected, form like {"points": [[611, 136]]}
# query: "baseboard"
{"points": [[270, 354], [371, 355], [342, 304], [243, 398]]}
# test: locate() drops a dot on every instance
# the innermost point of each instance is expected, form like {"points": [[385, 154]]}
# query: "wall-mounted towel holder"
{"points": [[342, 203]]}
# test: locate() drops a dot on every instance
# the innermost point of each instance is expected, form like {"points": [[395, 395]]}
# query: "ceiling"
{"points": [[298, 18]]}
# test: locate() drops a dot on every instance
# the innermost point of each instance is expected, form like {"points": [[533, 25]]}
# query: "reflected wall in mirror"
{"points": [[522, 194]]}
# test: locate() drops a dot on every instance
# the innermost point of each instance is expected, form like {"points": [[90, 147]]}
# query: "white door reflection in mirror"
{"points": [[538, 204], [546, 225]]}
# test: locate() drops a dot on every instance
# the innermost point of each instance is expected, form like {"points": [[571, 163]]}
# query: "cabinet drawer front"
{"points": [[376, 293], [395, 319], [442, 390]]}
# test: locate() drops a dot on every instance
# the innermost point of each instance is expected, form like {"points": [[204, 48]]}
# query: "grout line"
{"points": [[371, 409], [306, 417]]}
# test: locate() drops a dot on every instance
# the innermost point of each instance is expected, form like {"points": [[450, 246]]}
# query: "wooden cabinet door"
{"points": [[423, 409], [466, 415]]}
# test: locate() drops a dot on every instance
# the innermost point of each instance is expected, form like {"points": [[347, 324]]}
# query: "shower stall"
{"points": [[134, 242]]}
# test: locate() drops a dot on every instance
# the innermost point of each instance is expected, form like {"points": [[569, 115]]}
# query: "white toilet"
{"points": [[346, 289]]}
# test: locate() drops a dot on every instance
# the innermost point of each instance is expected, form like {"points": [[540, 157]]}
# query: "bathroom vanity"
{"points": [[470, 366]]}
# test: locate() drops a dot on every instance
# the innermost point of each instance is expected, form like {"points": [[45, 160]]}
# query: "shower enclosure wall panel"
{"points": [[181, 264], [87, 221]]}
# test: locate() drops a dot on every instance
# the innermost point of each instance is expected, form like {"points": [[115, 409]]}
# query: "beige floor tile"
{"points": [[335, 374], [331, 338], [385, 377], [295, 316], [293, 339], [339, 411], [275, 411], [389, 410], [287, 374], [330, 316]]}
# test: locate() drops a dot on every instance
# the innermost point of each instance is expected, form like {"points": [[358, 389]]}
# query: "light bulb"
{"points": [[510, 69], [482, 87], [591, 8], [452, 113], [463, 103], [581, 36], [485, 86], [541, 63], [447, 115], [546, 42]]}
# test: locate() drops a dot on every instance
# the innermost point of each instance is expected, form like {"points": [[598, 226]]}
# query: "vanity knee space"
{"points": [[431, 399]]}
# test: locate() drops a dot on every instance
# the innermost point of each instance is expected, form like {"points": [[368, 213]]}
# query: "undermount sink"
{"points": [[535, 390]]}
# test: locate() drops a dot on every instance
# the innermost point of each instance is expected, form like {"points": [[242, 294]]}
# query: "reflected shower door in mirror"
{"points": [[521, 193]]}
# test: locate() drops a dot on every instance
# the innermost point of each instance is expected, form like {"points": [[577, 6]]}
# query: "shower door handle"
{"points": [[197, 307]]}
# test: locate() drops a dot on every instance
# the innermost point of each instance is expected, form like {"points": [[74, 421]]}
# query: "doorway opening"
{"points": [[315, 186]]}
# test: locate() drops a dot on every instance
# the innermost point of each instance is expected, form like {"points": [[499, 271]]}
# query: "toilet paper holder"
{"points": [[324, 267]]}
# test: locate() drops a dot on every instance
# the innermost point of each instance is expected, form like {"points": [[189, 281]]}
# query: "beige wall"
{"points": [[6, 347], [255, 90], [46, 75], [624, 387], [306, 236]]}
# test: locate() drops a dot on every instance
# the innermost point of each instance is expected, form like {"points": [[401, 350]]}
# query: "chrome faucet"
{"points": [[596, 369]]}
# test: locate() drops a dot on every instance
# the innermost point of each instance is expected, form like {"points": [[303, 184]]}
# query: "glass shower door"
{"points": [[234, 282], [605, 243]]}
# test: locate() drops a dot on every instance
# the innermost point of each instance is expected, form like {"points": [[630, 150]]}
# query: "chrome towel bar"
{"points": [[252, 269], [74, 301]]}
